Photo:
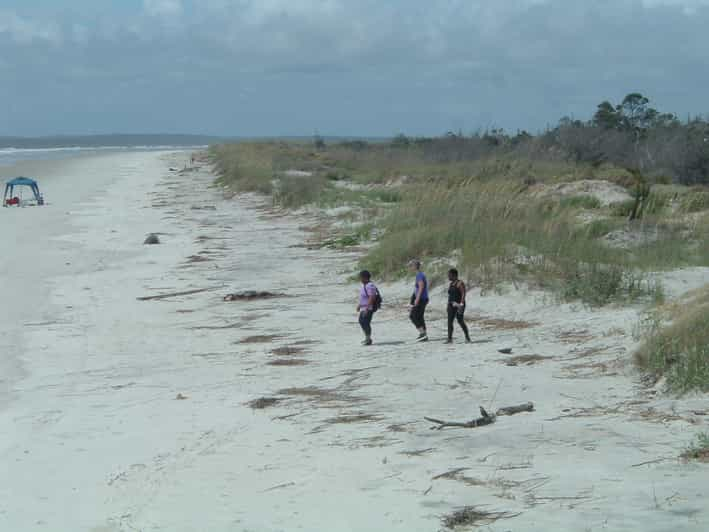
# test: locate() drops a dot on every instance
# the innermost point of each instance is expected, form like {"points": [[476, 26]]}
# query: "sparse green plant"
{"points": [[699, 449], [695, 201], [298, 191]]}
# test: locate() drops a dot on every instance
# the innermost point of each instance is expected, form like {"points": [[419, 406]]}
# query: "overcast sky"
{"points": [[341, 67]]}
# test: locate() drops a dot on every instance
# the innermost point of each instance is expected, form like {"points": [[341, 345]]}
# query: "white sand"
{"points": [[93, 438]]}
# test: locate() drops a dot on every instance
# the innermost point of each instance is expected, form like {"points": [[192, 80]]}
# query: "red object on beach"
{"points": [[13, 201]]}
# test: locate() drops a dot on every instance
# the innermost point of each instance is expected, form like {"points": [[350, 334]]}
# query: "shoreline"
{"points": [[135, 414], [67, 188]]}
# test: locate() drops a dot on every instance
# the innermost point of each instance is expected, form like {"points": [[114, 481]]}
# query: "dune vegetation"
{"points": [[676, 343], [587, 210]]}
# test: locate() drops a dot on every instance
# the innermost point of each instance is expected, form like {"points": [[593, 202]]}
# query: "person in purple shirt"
{"points": [[419, 300], [367, 306]]}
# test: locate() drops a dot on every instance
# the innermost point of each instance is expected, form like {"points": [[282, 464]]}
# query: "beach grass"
{"points": [[675, 344], [440, 201], [495, 232]]}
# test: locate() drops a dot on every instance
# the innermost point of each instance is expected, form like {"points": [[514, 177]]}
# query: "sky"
{"points": [[341, 67]]}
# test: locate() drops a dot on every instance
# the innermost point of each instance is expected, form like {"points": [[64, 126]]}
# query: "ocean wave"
{"points": [[13, 151], [11, 155]]}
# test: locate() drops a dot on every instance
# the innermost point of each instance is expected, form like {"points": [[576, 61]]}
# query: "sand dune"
{"points": [[191, 413]]}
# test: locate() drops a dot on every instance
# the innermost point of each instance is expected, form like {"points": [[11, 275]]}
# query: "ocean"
{"points": [[10, 156]]}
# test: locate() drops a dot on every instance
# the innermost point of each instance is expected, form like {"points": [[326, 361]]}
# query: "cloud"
{"points": [[163, 8], [79, 34], [24, 31], [362, 66]]}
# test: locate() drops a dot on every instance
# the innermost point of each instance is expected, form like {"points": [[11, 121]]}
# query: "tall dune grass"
{"points": [[460, 199], [500, 233], [676, 344]]}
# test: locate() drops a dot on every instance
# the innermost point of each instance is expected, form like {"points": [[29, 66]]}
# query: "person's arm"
{"points": [[461, 287]]}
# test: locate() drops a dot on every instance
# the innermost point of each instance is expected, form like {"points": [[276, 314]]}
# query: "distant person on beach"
{"points": [[369, 301], [419, 300], [456, 305]]}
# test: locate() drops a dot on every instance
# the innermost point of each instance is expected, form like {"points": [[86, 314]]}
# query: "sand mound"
{"points": [[605, 192], [297, 173], [632, 237]]}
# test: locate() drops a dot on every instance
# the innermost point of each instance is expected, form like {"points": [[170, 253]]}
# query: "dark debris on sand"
{"points": [[471, 517], [264, 402]]}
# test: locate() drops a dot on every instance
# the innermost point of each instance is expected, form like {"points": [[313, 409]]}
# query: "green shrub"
{"points": [[599, 228], [385, 195], [580, 202], [623, 208], [293, 192], [599, 284]]}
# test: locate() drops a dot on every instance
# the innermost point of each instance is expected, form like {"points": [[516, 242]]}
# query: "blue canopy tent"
{"points": [[11, 199]]}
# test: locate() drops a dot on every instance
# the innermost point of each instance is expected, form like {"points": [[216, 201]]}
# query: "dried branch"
{"points": [[485, 419]]}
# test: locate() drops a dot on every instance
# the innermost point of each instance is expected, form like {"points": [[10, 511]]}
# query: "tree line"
{"points": [[630, 134]]}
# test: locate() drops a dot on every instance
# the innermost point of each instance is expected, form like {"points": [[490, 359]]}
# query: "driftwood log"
{"points": [[512, 410], [175, 294], [251, 295], [484, 419]]}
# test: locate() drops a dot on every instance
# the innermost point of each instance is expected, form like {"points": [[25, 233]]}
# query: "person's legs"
{"points": [[365, 321], [461, 322], [423, 311], [416, 316], [413, 316], [418, 320], [451, 318]]}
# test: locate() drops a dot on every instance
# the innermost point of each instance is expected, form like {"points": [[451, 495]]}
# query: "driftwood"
{"points": [[251, 295], [484, 419], [174, 294], [512, 410]]}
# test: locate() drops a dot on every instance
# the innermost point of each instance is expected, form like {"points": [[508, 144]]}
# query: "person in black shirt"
{"points": [[456, 305]]}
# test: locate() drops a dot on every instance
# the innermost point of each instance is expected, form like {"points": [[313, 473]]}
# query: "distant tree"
{"points": [[521, 137], [400, 141], [607, 116], [666, 120], [635, 111], [637, 115], [355, 145]]}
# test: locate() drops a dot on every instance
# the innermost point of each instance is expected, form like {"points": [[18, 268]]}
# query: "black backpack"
{"points": [[377, 300]]}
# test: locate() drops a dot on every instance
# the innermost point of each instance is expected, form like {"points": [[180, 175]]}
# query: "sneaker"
{"points": [[368, 341], [449, 341], [422, 338]]}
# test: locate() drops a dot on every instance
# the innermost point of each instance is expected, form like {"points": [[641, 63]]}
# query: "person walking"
{"points": [[456, 305], [419, 300], [368, 304]]}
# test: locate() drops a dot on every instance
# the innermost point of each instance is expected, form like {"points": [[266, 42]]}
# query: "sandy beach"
{"points": [[122, 414]]}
